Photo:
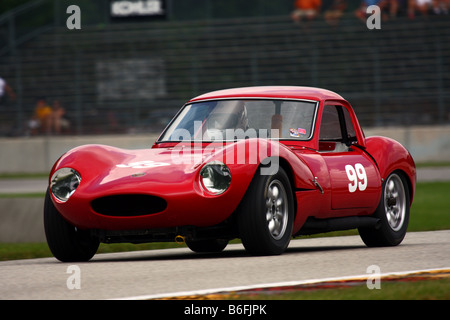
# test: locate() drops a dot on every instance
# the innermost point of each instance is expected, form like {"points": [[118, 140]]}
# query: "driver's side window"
{"points": [[336, 130], [330, 128]]}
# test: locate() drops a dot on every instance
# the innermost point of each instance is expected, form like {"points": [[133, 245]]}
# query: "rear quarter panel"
{"points": [[391, 156]]}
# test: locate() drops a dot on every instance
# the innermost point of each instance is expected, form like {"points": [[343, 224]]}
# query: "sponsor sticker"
{"points": [[296, 132]]}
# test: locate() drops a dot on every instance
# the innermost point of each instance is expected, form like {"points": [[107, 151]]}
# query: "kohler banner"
{"points": [[137, 9]]}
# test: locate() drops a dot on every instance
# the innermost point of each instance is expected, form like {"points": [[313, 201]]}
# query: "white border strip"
{"points": [[274, 284]]}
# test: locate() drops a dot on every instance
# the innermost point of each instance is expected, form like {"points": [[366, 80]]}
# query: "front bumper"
{"points": [[181, 208]]}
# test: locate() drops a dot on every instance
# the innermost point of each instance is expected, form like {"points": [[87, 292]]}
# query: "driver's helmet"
{"points": [[228, 114]]}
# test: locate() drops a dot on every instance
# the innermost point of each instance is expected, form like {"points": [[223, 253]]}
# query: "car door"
{"points": [[354, 178]]}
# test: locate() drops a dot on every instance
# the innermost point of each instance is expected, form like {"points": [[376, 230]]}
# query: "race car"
{"points": [[261, 164]]}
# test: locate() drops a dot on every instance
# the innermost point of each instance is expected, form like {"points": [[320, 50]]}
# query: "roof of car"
{"points": [[284, 92]]}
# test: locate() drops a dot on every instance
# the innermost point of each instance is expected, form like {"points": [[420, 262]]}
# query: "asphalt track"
{"points": [[172, 272]]}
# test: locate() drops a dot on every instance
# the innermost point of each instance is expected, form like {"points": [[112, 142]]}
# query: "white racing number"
{"points": [[357, 176], [142, 164]]}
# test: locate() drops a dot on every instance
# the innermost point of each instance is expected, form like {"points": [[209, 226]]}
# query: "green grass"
{"points": [[24, 175], [433, 164], [22, 195], [433, 289], [430, 211], [14, 251], [431, 207]]}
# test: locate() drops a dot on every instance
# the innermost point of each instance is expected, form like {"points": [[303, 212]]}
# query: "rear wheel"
{"points": [[266, 214], [393, 212], [66, 242]]}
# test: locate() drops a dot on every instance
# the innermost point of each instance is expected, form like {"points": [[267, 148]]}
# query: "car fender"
{"points": [[391, 156], [267, 156], [272, 155]]}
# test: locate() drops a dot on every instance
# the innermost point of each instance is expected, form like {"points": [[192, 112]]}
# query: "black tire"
{"points": [[209, 245], [265, 219], [393, 212], [67, 243]]}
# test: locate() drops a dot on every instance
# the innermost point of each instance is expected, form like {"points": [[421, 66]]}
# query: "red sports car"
{"points": [[262, 164]]}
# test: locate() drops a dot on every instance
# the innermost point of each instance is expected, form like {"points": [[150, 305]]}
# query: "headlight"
{"points": [[215, 177], [64, 182]]}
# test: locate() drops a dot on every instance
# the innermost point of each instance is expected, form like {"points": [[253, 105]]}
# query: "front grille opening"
{"points": [[128, 205]]}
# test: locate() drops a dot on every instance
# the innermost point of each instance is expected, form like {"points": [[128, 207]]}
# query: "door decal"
{"points": [[357, 176]]}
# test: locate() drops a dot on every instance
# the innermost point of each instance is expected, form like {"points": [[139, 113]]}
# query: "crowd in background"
{"points": [[51, 118], [47, 119], [310, 9]]}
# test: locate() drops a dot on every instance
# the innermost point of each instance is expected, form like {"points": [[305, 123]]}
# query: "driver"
{"points": [[228, 114]]}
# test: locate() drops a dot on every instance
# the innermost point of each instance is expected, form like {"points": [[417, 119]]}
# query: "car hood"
{"points": [[110, 168]]}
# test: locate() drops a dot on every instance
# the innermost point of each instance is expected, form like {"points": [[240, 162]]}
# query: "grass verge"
{"points": [[432, 289]]}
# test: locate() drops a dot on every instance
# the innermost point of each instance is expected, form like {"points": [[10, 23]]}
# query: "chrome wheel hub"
{"points": [[395, 202], [276, 209]]}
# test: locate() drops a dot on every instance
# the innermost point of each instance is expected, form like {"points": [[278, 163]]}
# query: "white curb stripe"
{"points": [[275, 284]]}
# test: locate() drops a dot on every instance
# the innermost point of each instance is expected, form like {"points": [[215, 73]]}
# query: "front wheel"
{"points": [[266, 214], [393, 212], [66, 242]]}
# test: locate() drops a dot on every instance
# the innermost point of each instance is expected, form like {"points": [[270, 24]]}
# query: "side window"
{"points": [[330, 128], [351, 134], [336, 130]]}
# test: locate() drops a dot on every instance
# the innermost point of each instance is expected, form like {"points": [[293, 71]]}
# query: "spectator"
{"points": [[335, 12], [423, 6], [7, 96], [308, 9], [6, 89], [42, 118], [361, 12], [58, 121], [393, 6], [441, 6]]}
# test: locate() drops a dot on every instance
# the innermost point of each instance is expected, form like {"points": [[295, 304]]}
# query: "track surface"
{"points": [[131, 274]]}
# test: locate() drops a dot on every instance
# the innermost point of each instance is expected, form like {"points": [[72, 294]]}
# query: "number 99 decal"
{"points": [[357, 176]]}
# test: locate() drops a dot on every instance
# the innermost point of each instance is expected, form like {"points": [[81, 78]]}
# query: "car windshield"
{"points": [[230, 120]]}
